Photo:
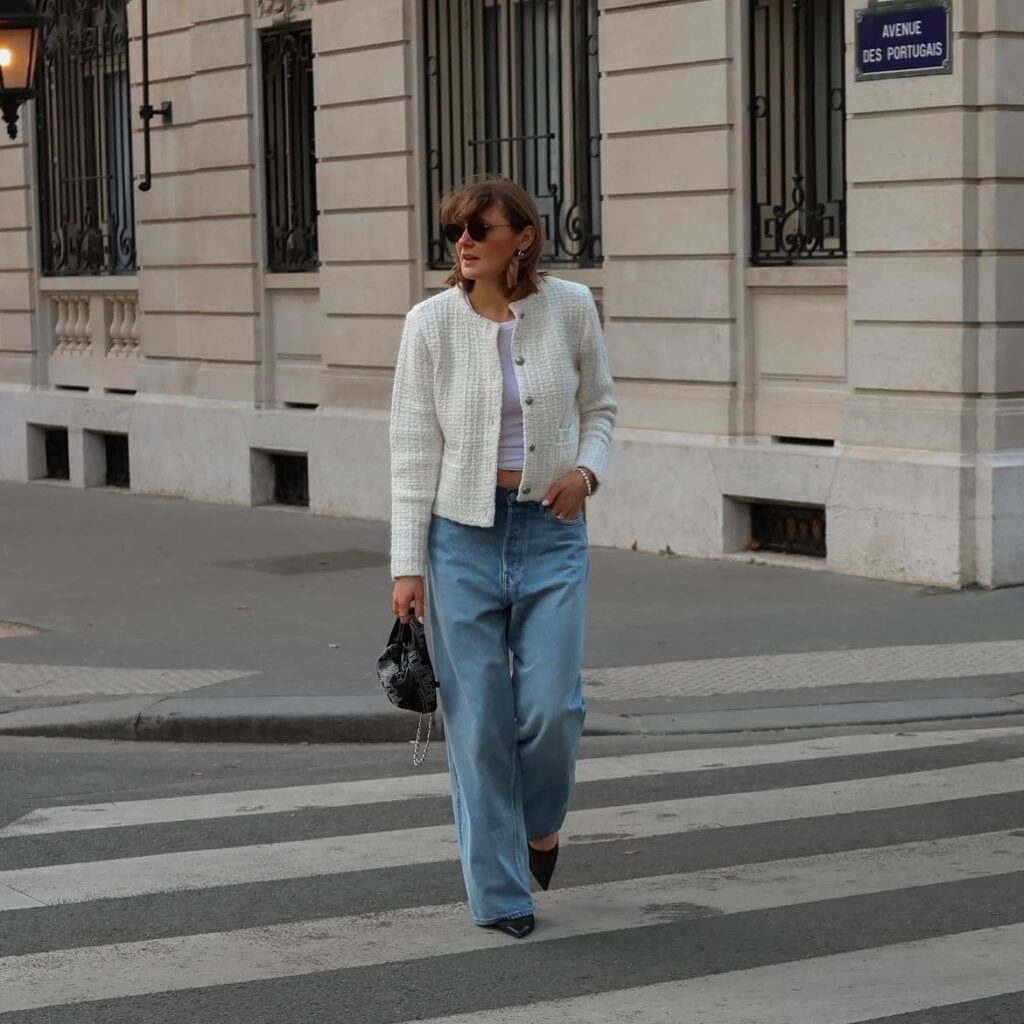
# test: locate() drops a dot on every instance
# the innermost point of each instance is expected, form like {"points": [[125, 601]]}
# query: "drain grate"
{"points": [[323, 561]]}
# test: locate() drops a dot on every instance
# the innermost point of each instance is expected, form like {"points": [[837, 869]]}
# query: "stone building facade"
{"points": [[844, 378]]}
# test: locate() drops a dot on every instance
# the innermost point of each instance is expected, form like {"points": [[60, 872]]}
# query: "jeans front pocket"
{"points": [[575, 521]]}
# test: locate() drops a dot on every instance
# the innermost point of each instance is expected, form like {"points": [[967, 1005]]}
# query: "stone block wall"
{"points": [[934, 343], [17, 265], [905, 360]]}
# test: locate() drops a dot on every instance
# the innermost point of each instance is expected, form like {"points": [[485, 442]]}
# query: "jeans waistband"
{"points": [[507, 496]]}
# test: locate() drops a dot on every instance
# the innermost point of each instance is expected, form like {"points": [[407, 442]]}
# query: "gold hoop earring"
{"points": [[512, 274]]}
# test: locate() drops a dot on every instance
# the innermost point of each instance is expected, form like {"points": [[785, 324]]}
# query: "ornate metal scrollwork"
{"points": [[511, 88], [83, 136], [797, 131], [290, 152]]}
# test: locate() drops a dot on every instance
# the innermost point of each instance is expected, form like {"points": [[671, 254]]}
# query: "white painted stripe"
{"points": [[845, 988], [74, 680], [199, 869], [386, 790], [814, 669], [11, 899], [256, 954]]}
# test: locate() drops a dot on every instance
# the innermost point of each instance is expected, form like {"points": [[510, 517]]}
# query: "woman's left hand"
{"points": [[566, 495]]}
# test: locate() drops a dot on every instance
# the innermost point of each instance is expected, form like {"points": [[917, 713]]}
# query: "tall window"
{"points": [[289, 154], [511, 88], [83, 140], [798, 130]]}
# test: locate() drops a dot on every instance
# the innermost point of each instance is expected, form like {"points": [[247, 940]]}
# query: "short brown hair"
{"points": [[477, 195]]}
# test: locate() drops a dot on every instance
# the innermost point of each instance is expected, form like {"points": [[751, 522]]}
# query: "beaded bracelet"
{"points": [[586, 476]]}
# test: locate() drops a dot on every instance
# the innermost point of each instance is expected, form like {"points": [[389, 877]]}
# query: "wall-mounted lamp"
{"points": [[147, 111], [22, 27], [21, 31]]}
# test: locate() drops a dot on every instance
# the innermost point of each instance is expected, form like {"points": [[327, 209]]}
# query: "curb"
{"points": [[222, 720], [362, 720]]}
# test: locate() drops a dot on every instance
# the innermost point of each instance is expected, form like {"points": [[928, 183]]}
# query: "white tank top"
{"points": [[510, 443]]}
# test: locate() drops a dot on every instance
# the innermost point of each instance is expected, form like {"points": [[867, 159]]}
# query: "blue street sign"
{"points": [[898, 39]]}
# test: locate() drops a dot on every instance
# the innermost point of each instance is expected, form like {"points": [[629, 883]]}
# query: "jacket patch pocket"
{"points": [[568, 416]]}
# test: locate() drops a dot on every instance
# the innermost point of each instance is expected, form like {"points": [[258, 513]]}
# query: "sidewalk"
{"points": [[128, 616]]}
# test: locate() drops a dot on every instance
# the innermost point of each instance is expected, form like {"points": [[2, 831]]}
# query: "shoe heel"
{"points": [[542, 865]]}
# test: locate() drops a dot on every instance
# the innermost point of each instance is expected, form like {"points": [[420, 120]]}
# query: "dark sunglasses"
{"points": [[477, 230]]}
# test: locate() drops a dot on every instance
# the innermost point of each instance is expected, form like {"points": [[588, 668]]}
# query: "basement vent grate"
{"points": [[790, 529], [58, 465], [118, 471], [291, 479], [813, 442]]}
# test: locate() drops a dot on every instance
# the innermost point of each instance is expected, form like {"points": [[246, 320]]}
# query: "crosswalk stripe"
{"points": [[169, 872], [11, 899], [349, 794], [849, 667], [844, 988], [256, 954]]}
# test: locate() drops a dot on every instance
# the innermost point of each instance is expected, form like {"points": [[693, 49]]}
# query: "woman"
{"points": [[501, 420]]}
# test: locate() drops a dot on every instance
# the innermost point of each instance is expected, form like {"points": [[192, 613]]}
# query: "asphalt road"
{"points": [[795, 878]]}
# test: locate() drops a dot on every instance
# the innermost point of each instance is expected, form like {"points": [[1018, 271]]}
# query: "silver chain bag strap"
{"points": [[407, 676]]}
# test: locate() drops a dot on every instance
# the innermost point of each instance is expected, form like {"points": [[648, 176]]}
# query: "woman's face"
{"points": [[490, 257]]}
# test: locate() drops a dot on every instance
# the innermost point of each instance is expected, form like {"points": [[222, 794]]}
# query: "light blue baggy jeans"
{"points": [[511, 735]]}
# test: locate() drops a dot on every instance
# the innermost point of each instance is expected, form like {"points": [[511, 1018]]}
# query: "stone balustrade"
{"points": [[73, 326], [123, 332], [106, 324], [95, 334]]}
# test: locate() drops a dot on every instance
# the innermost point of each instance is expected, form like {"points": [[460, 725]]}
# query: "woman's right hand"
{"points": [[407, 590]]}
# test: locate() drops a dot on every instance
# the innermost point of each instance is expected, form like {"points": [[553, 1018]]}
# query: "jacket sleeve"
{"points": [[416, 445], [597, 405]]}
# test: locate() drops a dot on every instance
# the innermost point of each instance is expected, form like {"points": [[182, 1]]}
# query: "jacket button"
{"points": [[526, 490], [520, 360], [528, 400], [532, 446]]}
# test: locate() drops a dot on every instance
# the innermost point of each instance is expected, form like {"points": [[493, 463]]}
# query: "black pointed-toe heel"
{"points": [[517, 927], [542, 865]]}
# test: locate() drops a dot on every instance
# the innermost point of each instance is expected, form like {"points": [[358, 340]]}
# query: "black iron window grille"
{"points": [[797, 130], [84, 140], [289, 150], [511, 88]]}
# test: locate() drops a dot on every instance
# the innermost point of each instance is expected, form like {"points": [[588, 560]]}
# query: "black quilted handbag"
{"points": [[407, 675]]}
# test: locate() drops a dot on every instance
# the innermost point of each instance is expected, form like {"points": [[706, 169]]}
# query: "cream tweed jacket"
{"points": [[446, 408]]}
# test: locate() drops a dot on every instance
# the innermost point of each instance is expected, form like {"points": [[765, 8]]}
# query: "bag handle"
{"points": [[417, 756]]}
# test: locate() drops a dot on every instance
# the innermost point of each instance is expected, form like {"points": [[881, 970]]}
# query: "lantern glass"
{"points": [[17, 58]]}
